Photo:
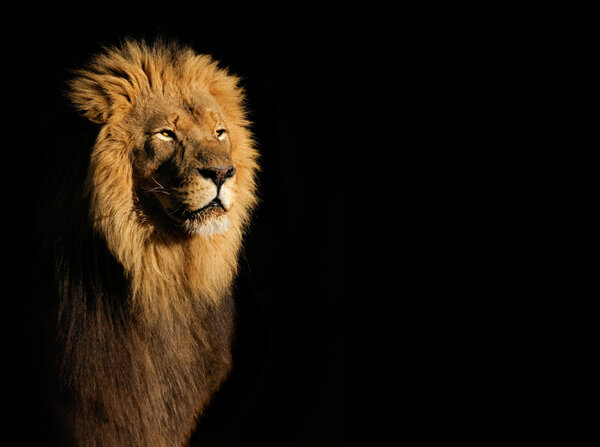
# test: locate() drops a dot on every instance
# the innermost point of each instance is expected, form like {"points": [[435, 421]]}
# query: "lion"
{"points": [[143, 230]]}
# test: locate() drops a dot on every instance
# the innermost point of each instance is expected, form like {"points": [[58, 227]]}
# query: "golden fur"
{"points": [[144, 308]]}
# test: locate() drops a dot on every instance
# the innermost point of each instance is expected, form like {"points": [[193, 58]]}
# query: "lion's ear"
{"points": [[102, 90], [90, 97]]}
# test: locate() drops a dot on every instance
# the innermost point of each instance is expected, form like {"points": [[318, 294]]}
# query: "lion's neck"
{"points": [[166, 272]]}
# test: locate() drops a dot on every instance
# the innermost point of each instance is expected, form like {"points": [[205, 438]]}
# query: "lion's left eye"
{"points": [[166, 134], [221, 134]]}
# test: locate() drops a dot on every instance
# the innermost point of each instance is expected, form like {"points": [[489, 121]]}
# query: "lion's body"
{"points": [[129, 381], [144, 314]]}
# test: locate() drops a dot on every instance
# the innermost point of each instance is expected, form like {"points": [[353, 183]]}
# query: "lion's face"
{"points": [[183, 169]]}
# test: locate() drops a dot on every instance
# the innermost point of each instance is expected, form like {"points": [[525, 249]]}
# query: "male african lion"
{"points": [[144, 232]]}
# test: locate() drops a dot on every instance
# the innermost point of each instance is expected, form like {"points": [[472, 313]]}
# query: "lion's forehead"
{"points": [[187, 111]]}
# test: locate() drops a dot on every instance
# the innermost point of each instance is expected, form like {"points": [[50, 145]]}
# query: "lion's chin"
{"points": [[208, 221], [206, 226]]}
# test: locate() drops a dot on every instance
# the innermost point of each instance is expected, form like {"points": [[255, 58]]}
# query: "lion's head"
{"points": [[172, 173], [179, 121]]}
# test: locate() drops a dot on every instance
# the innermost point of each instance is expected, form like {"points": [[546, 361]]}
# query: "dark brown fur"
{"points": [[123, 381]]}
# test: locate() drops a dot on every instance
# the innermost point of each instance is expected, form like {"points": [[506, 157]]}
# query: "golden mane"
{"points": [[161, 269]]}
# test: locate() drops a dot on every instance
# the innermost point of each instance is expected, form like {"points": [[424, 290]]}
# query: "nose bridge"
{"points": [[211, 155], [203, 150]]}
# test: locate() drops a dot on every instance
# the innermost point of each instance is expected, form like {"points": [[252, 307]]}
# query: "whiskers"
{"points": [[174, 212], [160, 188]]}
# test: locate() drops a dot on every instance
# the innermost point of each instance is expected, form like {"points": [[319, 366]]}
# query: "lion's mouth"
{"points": [[213, 208], [208, 220]]}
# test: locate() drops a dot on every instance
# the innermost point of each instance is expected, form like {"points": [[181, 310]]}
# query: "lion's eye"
{"points": [[166, 134], [221, 134]]}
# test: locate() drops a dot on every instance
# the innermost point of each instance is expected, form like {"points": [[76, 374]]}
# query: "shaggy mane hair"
{"points": [[144, 318]]}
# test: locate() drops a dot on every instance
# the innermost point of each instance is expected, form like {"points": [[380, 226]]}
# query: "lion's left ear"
{"points": [[98, 94]]}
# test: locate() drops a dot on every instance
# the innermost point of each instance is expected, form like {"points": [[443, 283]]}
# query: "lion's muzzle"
{"points": [[199, 202]]}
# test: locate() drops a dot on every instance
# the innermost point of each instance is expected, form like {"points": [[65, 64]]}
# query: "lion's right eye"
{"points": [[166, 135]]}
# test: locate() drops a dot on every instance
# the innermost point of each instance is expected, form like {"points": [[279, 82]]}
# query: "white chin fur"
{"points": [[210, 227]]}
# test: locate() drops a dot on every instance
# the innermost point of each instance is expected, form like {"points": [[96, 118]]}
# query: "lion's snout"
{"points": [[218, 174], [201, 200]]}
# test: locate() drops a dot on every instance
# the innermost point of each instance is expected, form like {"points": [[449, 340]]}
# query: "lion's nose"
{"points": [[218, 174]]}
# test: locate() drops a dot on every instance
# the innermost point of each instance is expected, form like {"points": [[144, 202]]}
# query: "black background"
{"points": [[286, 389]]}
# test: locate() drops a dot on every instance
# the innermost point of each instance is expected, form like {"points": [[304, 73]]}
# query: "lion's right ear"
{"points": [[90, 97], [102, 90]]}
